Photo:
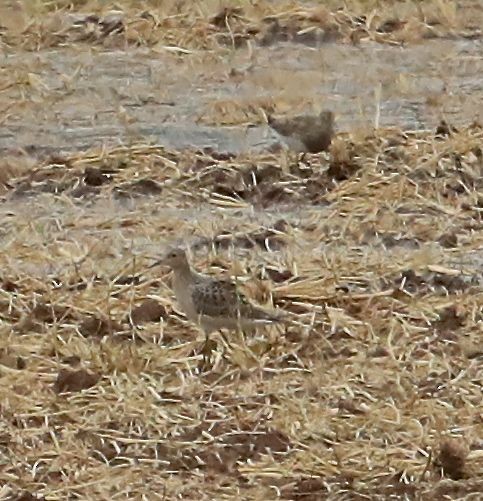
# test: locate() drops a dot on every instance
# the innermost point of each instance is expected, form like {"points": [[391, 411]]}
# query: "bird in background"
{"points": [[305, 133]]}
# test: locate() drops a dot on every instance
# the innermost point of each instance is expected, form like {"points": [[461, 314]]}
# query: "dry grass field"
{"points": [[374, 249]]}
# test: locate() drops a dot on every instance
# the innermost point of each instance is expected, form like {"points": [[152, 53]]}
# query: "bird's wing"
{"points": [[295, 125], [281, 125], [218, 298]]}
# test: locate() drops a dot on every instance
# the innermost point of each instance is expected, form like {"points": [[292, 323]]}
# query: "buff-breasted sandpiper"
{"points": [[305, 133], [212, 303]]}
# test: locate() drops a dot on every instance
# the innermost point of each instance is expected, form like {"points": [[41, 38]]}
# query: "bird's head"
{"points": [[175, 258]]}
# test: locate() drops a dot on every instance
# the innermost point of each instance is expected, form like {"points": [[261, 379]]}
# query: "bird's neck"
{"points": [[183, 274]]}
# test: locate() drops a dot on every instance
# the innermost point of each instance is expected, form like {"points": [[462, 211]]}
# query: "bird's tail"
{"points": [[268, 316]]}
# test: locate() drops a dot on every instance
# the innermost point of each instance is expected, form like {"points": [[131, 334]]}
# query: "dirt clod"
{"points": [[74, 381], [94, 177], [98, 327], [149, 310], [28, 496], [452, 457]]}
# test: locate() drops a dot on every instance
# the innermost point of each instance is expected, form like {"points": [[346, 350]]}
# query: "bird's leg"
{"points": [[241, 335], [208, 347], [225, 339]]}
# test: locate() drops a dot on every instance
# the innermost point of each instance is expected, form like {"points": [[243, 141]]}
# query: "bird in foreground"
{"points": [[212, 303], [305, 133]]}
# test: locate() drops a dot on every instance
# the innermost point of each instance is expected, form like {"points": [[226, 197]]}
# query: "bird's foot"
{"points": [[302, 158], [208, 348]]}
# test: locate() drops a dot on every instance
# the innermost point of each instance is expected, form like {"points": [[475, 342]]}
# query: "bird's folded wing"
{"points": [[218, 298], [296, 125]]}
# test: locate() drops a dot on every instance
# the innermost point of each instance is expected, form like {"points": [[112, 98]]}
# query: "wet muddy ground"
{"points": [[78, 98]]}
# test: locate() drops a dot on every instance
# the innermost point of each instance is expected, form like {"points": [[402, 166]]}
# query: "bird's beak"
{"points": [[156, 263]]}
